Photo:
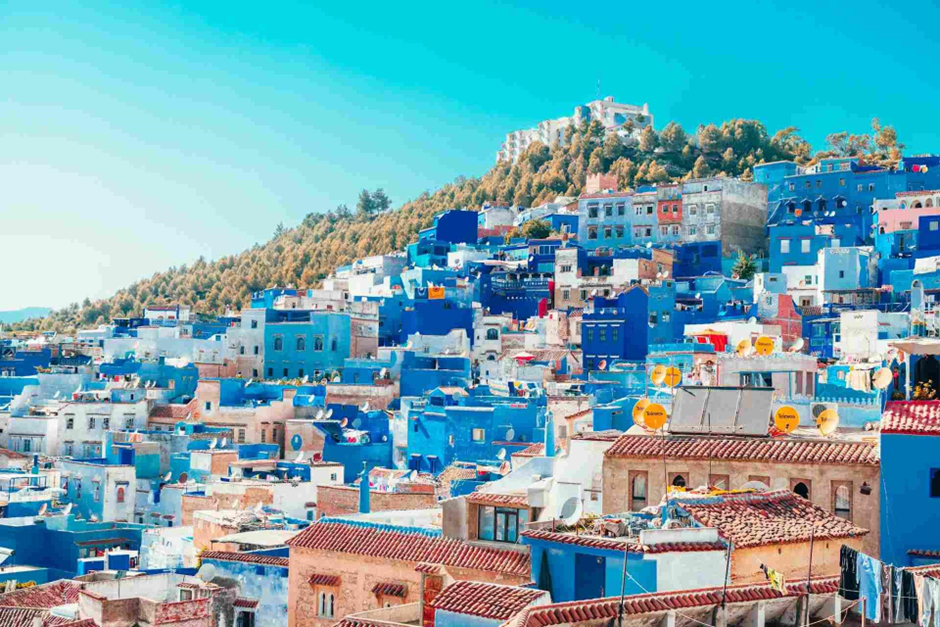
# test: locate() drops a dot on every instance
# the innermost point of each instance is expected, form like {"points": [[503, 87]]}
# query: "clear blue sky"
{"points": [[132, 139]]}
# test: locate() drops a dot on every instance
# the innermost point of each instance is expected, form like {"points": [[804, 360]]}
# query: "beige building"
{"points": [[839, 476]]}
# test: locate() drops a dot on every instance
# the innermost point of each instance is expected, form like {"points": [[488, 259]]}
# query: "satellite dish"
{"points": [[658, 375], [760, 486], [638, 410], [42, 510], [356, 423], [654, 416], [343, 422], [828, 422], [214, 443], [602, 365], [786, 419], [168, 476], [501, 454], [797, 345], [320, 414], [510, 434], [206, 573], [883, 378], [571, 511]]}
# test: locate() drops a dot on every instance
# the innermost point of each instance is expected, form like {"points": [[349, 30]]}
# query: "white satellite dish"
{"points": [[320, 415], [501, 454], [206, 573], [214, 443], [42, 510], [797, 345], [168, 476], [883, 378], [571, 511]]}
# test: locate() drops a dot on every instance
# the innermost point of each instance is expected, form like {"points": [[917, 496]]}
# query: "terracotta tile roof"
{"points": [[249, 558], [320, 579], [395, 543], [391, 589], [248, 604], [486, 600], [757, 519], [636, 605], [489, 498], [911, 418], [787, 450], [613, 544], [49, 595], [174, 411]]}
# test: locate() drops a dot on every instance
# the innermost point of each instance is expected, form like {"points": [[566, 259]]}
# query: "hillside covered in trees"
{"points": [[309, 252]]}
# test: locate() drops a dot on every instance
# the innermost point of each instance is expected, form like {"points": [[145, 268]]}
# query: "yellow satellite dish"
{"points": [[827, 422], [764, 345], [744, 348], [638, 409], [786, 419], [673, 376], [658, 375], [654, 416]]}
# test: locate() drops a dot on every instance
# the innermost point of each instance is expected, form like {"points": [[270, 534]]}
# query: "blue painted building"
{"points": [[305, 343]]}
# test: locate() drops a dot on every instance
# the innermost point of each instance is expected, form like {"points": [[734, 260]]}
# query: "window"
{"points": [[278, 343], [479, 435], [208, 405], [804, 246], [254, 324], [842, 499], [638, 486], [325, 605], [935, 483], [592, 211], [106, 423], [69, 423], [592, 232], [802, 487], [301, 344], [720, 482], [120, 494], [91, 423], [318, 343]]}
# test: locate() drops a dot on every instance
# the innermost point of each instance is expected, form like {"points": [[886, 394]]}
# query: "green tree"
{"points": [[536, 229], [745, 266]]}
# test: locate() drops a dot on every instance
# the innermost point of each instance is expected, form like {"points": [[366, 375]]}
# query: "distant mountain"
{"points": [[18, 315]]}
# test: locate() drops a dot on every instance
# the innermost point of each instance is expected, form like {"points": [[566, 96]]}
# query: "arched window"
{"points": [[301, 343], [318, 343], [120, 495], [278, 343], [801, 489]]}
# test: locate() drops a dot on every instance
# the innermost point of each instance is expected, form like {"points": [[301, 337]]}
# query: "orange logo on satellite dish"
{"points": [[764, 345], [654, 416], [786, 419]]}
